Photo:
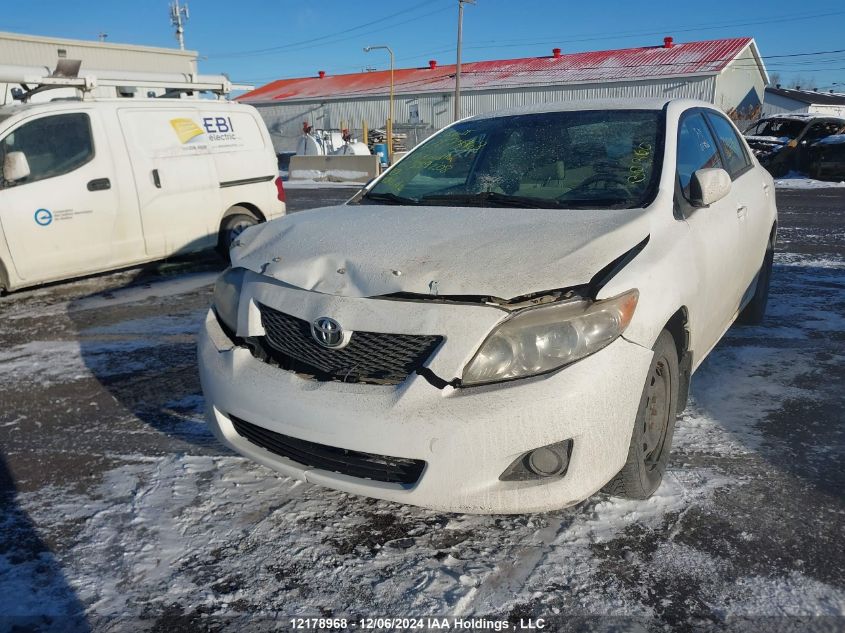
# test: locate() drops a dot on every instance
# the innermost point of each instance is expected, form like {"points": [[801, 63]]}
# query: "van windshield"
{"points": [[581, 159]]}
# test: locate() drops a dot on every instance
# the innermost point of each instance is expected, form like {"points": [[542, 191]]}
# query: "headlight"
{"points": [[538, 340], [227, 295]]}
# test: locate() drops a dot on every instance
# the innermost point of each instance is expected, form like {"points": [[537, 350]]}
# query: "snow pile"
{"points": [[328, 175], [795, 180], [837, 139]]}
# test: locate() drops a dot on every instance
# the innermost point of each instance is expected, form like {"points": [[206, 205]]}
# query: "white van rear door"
{"points": [[178, 193], [59, 221]]}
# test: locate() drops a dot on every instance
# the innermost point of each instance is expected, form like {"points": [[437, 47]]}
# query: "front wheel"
{"points": [[231, 227], [651, 441]]}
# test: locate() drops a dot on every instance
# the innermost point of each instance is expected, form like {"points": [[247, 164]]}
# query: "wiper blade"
{"points": [[391, 198], [594, 203], [492, 198]]}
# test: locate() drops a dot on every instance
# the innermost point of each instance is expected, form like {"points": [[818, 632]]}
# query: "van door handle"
{"points": [[156, 179], [741, 210], [99, 184]]}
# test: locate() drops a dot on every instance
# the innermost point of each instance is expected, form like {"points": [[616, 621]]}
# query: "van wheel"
{"points": [[654, 427], [238, 220], [753, 313]]}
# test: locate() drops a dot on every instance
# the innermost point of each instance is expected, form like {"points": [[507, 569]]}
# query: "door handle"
{"points": [[99, 184], [156, 179], [741, 210]]}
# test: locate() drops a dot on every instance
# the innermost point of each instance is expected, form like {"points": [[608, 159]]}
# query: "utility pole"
{"points": [[389, 125], [178, 15], [458, 61]]}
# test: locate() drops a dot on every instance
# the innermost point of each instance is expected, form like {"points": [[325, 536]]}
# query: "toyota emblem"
{"points": [[327, 332]]}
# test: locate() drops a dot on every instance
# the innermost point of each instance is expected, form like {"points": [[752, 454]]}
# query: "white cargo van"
{"points": [[92, 185]]}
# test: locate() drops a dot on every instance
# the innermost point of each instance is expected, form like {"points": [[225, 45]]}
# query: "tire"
{"points": [[651, 441], [755, 311], [4, 281], [236, 222]]}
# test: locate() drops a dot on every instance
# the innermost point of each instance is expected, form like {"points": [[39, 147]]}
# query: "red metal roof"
{"points": [[690, 58]]}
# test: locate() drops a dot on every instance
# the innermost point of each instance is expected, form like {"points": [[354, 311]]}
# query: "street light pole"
{"points": [[389, 126], [458, 60]]}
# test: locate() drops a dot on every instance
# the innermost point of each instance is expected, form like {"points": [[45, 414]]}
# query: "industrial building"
{"points": [[41, 54], [796, 101], [728, 72]]}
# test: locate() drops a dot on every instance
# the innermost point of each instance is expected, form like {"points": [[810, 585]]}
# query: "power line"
{"points": [[786, 18], [628, 34], [618, 34], [321, 41]]}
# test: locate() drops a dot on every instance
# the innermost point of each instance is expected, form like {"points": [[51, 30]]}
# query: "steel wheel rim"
{"points": [[656, 418], [236, 230]]}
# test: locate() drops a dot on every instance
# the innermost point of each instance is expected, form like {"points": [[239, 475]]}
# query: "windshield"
{"points": [[781, 128], [582, 159]]}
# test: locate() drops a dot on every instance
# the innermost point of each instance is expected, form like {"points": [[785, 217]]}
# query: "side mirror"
{"points": [[708, 186], [15, 167]]}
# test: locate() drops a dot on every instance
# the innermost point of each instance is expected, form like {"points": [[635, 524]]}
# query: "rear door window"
{"points": [[696, 149], [733, 151]]}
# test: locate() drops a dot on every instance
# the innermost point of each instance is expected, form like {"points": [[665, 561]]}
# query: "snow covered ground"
{"points": [[794, 180], [120, 511]]}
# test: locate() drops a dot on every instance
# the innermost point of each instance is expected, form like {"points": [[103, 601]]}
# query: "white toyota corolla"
{"points": [[507, 319]]}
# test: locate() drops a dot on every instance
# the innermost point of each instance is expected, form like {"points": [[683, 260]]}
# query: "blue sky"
{"points": [[306, 36]]}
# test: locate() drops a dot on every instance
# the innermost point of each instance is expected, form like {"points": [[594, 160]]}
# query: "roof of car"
{"points": [[802, 116], [591, 104]]}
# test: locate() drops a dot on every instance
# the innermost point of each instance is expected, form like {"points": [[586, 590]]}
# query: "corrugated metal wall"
{"points": [[25, 50], [740, 89], [777, 104], [435, 110]]}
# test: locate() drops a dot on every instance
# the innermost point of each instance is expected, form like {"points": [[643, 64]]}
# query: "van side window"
{"points": [[732, 148], [696, 149], [53, 145]]}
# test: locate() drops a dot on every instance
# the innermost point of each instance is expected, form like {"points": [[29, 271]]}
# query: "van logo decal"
{"points": [[186, 129], [43, 217]]}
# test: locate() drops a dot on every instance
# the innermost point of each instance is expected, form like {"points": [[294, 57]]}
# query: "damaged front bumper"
{"points": [[456, 443]]}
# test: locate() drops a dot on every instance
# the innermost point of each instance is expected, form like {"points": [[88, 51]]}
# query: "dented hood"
{"points": [[370, 250]]}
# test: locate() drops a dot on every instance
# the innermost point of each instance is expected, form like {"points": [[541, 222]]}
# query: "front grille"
{"points": [[370, 357], [399, 470]]}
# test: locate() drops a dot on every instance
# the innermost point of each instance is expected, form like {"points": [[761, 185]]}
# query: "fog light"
{"points": [[545, 462], [540, 463]]}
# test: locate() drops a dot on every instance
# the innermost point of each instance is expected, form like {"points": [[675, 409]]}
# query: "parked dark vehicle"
{"points": [[782, 143], [827, 158]]}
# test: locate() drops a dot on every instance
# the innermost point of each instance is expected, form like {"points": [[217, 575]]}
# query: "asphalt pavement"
{"points": [[121, 512]]}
